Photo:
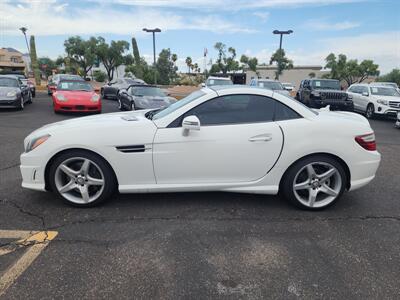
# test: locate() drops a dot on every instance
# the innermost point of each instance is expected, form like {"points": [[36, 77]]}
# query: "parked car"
{"points": [[318, 93], [27, 82], [76, 96], [390, 84], [373, 100], [13, 92], [110, 90], [288, 86], [234, 139], [272, 85], [213, 80], [397, 124], [143, 97], [55, 80]]}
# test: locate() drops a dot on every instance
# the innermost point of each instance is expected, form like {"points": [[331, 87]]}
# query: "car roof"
{"points": [[9, 76], [267, 80], [216, 77]]}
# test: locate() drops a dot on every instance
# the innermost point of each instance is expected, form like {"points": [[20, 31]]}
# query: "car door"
{"points": [[364, 98], [237, 142]]}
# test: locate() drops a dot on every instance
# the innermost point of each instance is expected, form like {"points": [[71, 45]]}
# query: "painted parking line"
{"points": [[34, 241]]}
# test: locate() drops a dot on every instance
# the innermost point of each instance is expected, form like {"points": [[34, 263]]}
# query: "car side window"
{"points": [[283, 112], [232, 109], [364, 89]]}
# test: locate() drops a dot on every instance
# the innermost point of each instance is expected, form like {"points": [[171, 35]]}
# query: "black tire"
{"points": [[29, 98], [34, 94], [110, 182], [132, 105], [103, 95], [287, 184], [370, 111], [120, 105]]}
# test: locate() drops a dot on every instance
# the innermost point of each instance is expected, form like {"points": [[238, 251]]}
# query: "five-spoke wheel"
{"points": [[314, 182], [81, 178]]}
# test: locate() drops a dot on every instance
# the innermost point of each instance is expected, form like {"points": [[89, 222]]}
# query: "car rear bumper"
{"points": [[363, 172]]}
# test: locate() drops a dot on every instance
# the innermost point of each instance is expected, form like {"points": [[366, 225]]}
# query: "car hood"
{"points": [[76, 96], [5, 89], [388, 98], [96, 123]]}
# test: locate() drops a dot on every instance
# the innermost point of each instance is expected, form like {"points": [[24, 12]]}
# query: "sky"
{"points": [[361, 29]]}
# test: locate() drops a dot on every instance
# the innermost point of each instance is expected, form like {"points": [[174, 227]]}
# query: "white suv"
{"points": [[374, 99]]}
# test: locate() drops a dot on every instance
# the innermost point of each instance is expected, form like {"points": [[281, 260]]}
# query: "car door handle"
{"points": [[261, 138]]}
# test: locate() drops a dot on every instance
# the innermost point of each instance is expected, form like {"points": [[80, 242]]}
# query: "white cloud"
{"points": [[383, 48], [227, 4], [40, 18], [264, 16], [320, 24]]}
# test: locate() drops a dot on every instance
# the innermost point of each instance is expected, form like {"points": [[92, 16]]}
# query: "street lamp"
{"points": [[281, 33], [154, 49]]}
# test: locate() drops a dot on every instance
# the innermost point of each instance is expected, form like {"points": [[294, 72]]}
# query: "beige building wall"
{"points": [[11, 60], [294, 76]]}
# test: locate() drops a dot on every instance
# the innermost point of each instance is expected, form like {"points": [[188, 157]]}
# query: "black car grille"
{"points": [[333, 96], [394, 104]]}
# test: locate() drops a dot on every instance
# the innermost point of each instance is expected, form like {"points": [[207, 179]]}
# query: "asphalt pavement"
{"points": [[197, 245]]}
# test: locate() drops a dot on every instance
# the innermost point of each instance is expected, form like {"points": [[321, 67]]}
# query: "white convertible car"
{"points": [[234, 139]]}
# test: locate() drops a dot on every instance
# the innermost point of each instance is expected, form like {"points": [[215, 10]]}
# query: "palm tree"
{"points": [[195, 66], [188, 62], [174, 58]]}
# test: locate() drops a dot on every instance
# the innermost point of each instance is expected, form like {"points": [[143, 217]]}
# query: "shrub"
{"points": [[99, 76]]}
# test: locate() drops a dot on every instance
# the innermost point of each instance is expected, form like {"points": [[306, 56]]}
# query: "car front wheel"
{"points": [[81, 178], [314, 183], [370, 112]]}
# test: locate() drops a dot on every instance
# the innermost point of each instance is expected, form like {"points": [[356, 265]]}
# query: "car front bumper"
{"points": [[32, 172], [71, 107], [387, 111], [10, 103]]}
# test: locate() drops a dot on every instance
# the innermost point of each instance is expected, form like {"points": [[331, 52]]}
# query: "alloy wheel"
{"points": [[79, 180], [317, 184], [370, 112]]}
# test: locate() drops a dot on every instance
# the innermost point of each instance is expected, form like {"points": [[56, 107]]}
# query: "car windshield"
{"points": [[218, 82], [326, 84], [173, 107], [74, 86], [384, 91], [130, 81], [71, 77], [148, 91], [271, 85], [8, 82]]}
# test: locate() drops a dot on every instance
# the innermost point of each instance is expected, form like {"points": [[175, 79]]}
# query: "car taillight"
{"points": [[367, 141]]}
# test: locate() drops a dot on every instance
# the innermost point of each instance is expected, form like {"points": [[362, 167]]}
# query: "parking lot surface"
{"points": [[201, 245]]}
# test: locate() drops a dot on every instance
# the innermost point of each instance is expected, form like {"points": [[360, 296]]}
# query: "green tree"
{"points": [[225, 63], [283, 63], [188, 62], [112, 56], [137, 61], [392, 76], [82, 52], [46, 65], [165, 67], [350, 70], [99, 76], [249, 62], [35, 65]]}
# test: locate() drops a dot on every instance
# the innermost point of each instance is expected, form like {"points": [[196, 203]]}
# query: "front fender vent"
{"points": [[131, 148]]}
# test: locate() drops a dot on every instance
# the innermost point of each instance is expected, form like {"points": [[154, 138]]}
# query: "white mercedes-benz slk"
{"points": [[234, 139]]}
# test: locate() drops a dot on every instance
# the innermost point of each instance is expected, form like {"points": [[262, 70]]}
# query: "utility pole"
{"points": [[153, 31]]}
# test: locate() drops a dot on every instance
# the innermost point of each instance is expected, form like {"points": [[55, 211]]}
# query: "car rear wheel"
{"points": [[370, 111], [81, 178], [314, 183]]}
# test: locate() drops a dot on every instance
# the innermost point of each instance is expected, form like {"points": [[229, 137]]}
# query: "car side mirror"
{"points": [[191, 123], [203, 85], [365, 94]]}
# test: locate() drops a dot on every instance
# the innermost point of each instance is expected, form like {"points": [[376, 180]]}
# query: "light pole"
{"points": [[154, 49], [281, 33]]}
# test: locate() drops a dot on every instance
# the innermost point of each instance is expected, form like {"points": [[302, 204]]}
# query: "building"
{"points": [[11, 61], [294, 76]]}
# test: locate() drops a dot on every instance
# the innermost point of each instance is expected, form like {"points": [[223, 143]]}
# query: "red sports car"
{"points": [[76, 96]]}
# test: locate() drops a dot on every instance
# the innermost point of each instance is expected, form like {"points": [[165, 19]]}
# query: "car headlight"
{"points": [[32, 144], [383, 102], [95, 98], [316, 94], [398, 115], [61, 97], [12, 94], [349, 97]]}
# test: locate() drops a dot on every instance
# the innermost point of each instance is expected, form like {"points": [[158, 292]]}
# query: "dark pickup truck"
{"points": [[318, 93]]}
